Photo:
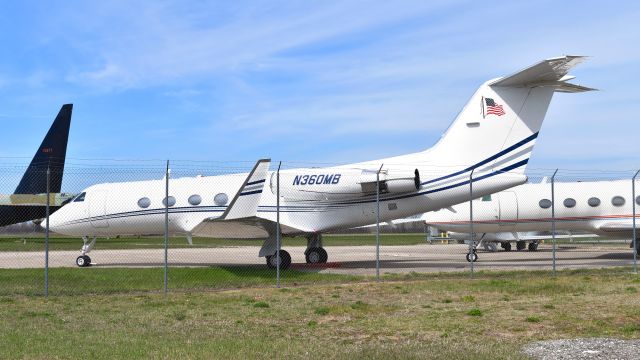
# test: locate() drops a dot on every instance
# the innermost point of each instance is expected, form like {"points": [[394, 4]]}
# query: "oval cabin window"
{"points": [[593, 202], [221, 199], [569, 202], [195, 199], [172, 201], [617, 201], [545, 203], [144, 202]]}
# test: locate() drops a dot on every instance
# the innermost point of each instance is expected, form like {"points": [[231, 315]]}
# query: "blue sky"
{"points": [[307, 81]]}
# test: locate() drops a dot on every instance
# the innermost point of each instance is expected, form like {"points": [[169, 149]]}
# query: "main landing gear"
{"points": [[285, 260], [314, 254], [84, 260]]}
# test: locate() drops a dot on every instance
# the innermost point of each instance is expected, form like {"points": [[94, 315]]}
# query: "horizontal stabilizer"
{"points": [[245, 203], [551, 72]]}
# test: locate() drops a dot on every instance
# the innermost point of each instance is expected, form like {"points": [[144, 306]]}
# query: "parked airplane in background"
{"points": [[489, 241], [492, 136], [28, 201], [603, 208]]}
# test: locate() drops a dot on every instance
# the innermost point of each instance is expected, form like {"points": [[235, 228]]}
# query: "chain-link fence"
{"points": [[183, 225]]}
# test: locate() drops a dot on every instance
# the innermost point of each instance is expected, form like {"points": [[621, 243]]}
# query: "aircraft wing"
{"points": [[619, 226], [239, 221], [247, 228]]}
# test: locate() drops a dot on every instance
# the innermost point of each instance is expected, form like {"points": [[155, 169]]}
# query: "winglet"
{"points": [[245, 203]]}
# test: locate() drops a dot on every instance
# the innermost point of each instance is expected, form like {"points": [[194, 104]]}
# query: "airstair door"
{"points": [[98, 208]]}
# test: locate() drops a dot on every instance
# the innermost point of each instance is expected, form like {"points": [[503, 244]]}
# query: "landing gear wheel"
{"points": [[520, 245], [285, 260], [316, 255], [472, 257], [506, 246], [533, 246], [83, 261]]}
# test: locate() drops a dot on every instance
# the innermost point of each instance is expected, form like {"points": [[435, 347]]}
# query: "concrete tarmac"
{"points": [[345, 259]]}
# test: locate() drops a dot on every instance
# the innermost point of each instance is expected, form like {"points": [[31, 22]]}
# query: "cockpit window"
{"points": [[80, 198]]}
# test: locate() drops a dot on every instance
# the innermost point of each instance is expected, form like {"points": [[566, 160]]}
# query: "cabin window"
{"points": [[144, 202], [617, 201], [545, 203], [221, 199], [638, 199], [80, 198], [171, 202], [392, 206], [593, 202], [569, 202], [195, 199], [486, 198]]}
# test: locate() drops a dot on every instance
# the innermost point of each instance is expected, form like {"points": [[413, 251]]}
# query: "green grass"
{"points": [[31, 243], [79, 281], [366, 320]]}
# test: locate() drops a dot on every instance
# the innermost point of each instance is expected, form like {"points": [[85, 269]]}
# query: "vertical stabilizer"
{"points": [[51, 153], [497, 129]]}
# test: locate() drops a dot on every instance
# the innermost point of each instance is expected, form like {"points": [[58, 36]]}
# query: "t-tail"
{"points": [[497, 129], [51, 154]]}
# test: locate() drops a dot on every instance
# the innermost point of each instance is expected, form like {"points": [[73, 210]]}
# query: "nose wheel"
{"points": [[83, 261], [472, 257]]}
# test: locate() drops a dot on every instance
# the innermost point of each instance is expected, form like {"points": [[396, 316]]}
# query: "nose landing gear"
{"points": [[84, 260]]}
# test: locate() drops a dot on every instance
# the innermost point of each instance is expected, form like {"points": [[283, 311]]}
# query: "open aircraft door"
{"points": [[98, 208], [508, 211]]}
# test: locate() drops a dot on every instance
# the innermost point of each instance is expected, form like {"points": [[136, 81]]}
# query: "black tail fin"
{"points": [[51, 153]]}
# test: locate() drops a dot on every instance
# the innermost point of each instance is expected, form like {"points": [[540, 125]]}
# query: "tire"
{"points": [[83, 261], [312, 256], [323, 256], [472, 256], [533, 246], [316, 255], [285, 260], [521, 245], [506, 246]]}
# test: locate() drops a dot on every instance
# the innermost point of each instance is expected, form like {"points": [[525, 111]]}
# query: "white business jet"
{"points": [[603, 208], [492, 136]]}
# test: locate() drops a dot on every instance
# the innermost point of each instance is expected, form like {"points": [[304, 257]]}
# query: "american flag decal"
{"points": [[492, 108]]}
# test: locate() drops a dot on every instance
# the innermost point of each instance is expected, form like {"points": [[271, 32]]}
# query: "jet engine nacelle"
{"points": [[336, 183]]}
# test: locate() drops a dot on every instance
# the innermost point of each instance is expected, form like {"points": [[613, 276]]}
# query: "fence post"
{"points": [[278, 234], [472, 245], [378, 223], [166, 228], [553, 218], [46, 237], [635, 243]]}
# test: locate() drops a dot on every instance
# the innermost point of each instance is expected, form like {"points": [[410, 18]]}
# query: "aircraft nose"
{"points": [[57, 222]]}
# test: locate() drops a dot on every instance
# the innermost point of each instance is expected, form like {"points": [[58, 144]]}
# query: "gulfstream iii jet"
{"points": [[491, 138], [28, 201]]}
